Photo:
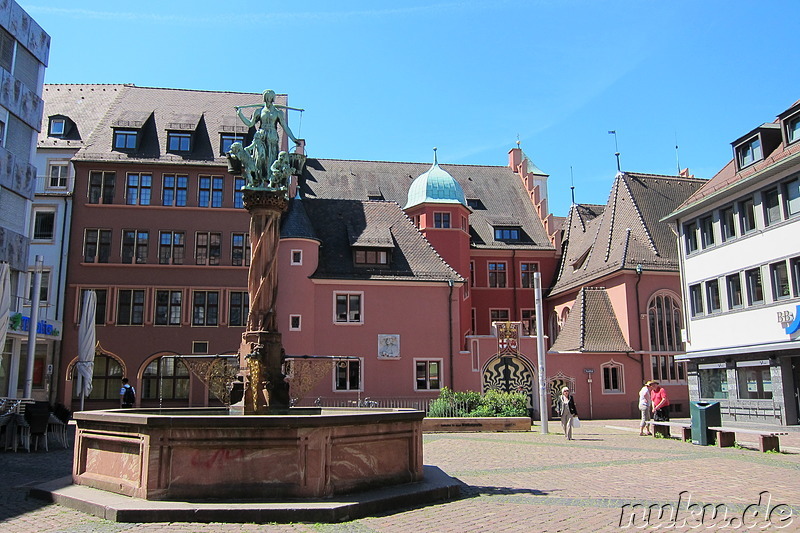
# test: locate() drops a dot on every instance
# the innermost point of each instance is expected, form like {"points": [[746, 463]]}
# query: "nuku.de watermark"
{"points": [[682, 514]]}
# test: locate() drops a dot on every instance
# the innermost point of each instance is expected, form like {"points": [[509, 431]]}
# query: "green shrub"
{"points": [[470, 403]]}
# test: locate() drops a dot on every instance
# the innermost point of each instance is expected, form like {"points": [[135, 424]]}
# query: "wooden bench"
{"points": [[768, 440], [661, 429]]}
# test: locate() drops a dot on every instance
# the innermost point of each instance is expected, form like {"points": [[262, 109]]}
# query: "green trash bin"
{"points": [[704, 414]]}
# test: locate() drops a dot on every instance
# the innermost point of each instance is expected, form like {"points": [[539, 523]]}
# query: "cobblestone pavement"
{"points": [[512, 482]]}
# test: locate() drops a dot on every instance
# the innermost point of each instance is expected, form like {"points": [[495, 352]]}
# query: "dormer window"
{"points": [[371, 257], [507, 233], [57, 127], [227, 139], [475, 203], [749, 152], [125, 139], [793, 129], [179, 141]]}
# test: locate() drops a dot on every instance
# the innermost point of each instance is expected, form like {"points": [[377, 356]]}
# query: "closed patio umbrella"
{"points": [[5, 304], [86, 345]]}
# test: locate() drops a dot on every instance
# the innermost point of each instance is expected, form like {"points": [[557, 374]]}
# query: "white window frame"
{"points": [[428, 360], [52, 130], [292, 260], [47, 275], [349, 322], [36, 211], [57, 163], [620, 378], [347, 362], [299, 323]]}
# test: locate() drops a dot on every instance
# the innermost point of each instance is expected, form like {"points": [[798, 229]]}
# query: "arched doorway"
{"points": [[511, 373]]}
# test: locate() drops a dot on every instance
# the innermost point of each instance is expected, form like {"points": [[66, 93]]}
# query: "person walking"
{"points": [[567, 411], [645, 404], [127, 394]]}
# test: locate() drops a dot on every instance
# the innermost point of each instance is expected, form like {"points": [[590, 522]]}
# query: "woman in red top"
{"points": [[660, 403]]}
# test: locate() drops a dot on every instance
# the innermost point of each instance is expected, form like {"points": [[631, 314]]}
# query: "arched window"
{"points": [[554, 327], [166, 378], [664, 318], [106, 378], [564, 316], [613, 382]]}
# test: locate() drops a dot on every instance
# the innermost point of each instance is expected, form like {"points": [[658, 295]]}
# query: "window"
{"points": [[168, 308], [428, 375], [690, 234], [472, 273], [106, 376], [526, 274], [43, 225], [138, 189], [747, 215], [793, 129], [101, 187], [712, 296], [713, 383], [664, 317], [441, 220], [295, 322], [733, 285], [555, 326], [130, 307], [498, 315], [240, 249], [179, 142], [165, 378], [96, 245], [125, 139], [727, 223], [171, 248], [297, 257], [780, 280], [44, 287], [210, 191], [507, 233], [755, 383], [612, 378], [135, 245], [696, 299], [791, 191], [794, 267], [347, 375], [238, 194], [174, 190], [227, 139], [199, 347], [371, 257], [238, 308], [755, 290], [707, 231], [749, 152], [100, 308], [528, 321], [347, 307], [772, 207], [57, 127], [497, 275], [665, 368], [7, 43], [207, 248], [205, 308], [57, 172]]}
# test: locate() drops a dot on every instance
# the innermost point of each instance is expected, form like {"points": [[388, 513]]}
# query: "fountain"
{"points": [[260, 452]]}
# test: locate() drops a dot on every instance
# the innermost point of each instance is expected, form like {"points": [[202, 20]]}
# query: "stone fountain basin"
{"points": [[211, 455]]}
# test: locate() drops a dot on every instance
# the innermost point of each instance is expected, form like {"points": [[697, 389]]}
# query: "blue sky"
{"points": [[390, 80]]}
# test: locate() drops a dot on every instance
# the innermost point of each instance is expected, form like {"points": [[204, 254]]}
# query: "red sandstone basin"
{"points": [[208, 454]]}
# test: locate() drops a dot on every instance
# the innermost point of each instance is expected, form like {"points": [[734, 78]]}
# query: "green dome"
{"points": [[436, 186]]}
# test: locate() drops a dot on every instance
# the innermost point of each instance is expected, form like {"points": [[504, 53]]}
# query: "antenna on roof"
{"points": [[677, 158], [572, 181], [616, 148]]}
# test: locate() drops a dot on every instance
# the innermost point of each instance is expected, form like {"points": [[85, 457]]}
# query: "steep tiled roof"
{"points": [[499, 190], [207, 113], [337, 222], [626, 232], [84, 104], [591, 326], [295, 223], [729, 176]]}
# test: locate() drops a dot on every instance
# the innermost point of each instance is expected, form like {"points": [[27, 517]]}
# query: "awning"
{"points": [[781, 346]]}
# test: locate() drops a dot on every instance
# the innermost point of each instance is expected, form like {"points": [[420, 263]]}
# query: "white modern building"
{"points": [[24, 49], [740, 252]]}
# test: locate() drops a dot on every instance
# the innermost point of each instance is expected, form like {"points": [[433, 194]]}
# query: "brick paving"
{"points": [[512, 482]]}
